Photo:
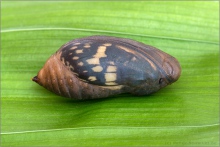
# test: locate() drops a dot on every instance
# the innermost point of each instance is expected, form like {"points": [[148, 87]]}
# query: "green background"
{"points": [[185, 113]]}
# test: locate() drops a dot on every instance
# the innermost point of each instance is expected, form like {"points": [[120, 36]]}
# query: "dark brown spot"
{"points": [[35, 79], [161, 80]]}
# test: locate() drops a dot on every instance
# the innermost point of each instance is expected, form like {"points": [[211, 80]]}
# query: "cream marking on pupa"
{"points": [[87, 45], [83, 80], [79, 51], [110, 77], [80, 63], [92, 78], [75, 58], [111, 63], [97, 69], [125, 49], [107, 44], [93, 61], [63, 61], [67, 63], [111, 69], [73, 48], [75, 73], [133, 59], [71, 67], [77, 43], [100, 52], [111, 83]]}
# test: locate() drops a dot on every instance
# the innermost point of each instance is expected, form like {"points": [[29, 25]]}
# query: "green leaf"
{"points": [[185, 113]]}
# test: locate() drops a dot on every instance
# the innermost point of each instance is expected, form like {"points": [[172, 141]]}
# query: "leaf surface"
{"points": [[185, 113]]}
